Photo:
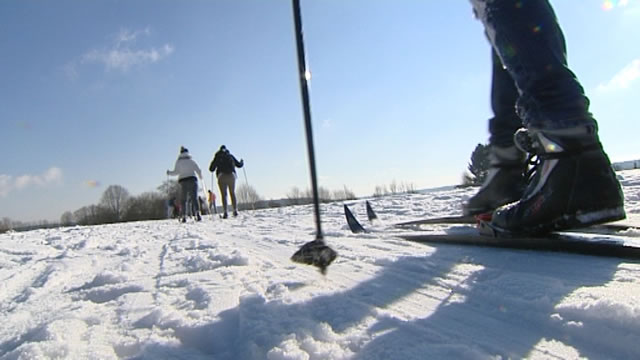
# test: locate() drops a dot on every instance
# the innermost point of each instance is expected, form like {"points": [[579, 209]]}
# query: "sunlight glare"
{"points": [[610, 4], [93, 183], [607, 5]]}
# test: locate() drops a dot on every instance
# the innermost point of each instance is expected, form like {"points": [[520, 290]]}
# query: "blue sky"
{"points": [[97, 93]]}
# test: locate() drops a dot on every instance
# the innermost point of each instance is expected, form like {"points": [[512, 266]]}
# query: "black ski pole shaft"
{"points": [[306, 108]]}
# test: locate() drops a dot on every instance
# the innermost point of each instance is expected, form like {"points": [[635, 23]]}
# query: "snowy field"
{"points": [[226, 289]]}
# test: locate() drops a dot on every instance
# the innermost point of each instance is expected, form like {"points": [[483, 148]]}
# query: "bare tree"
{"points": [[407, 188], [295, 196], [81, 216], [380, 190], [66, 219], [170, 188], [324, 195], [393, 187], [247, 196], [299, 197], [89, 215], [146, 206], [5, 225], [344, 194], [114, 200]]}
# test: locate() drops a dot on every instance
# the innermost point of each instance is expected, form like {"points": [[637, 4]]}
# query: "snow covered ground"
{"points": [[226, 289]]}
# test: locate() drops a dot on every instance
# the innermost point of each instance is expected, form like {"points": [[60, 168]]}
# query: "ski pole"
{"points": [[304, 77], [316, 252], [213, 201], [245, 176], [205, 193], [213, 205], [253, 204]]}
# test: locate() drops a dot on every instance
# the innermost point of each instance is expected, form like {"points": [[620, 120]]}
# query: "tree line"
{"points": [[118, 205]]}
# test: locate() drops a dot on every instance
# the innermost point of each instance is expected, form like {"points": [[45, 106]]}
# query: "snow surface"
{"points": [[226, 289]]}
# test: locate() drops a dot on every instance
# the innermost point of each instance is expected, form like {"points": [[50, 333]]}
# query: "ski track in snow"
{"points": [[226, 289]]}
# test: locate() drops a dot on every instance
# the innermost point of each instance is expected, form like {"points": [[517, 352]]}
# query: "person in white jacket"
{"points": [[188, 173]]}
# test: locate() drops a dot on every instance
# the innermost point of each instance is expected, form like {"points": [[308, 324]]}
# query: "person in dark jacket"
{"points": [[224, 164]]}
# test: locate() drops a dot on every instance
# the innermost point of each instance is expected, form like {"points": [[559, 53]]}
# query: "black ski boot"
{"points": [[505, 181], [571, 184]]}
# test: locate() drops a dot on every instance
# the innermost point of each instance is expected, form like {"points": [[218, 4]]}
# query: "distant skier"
{"points": [[188, 172], [212, 202], [173, 208], [224, 164], [204, 209]]}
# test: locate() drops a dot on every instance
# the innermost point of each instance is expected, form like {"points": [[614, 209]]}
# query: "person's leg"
{"points": [[573, 183], [223, 185], [505, 180], [184, 191], [223, 195], [232, 193], [527, 38], [195, 202], [504, 95]]}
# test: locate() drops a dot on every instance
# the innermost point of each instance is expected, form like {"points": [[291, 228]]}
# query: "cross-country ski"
{"points": [[595, 240]]}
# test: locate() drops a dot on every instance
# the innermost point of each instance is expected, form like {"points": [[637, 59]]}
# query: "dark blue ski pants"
{"points": [[189, 191], [532, 85]]}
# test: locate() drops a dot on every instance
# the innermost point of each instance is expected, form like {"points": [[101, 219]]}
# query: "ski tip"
{"points": [[370, 213], [354, 224]]}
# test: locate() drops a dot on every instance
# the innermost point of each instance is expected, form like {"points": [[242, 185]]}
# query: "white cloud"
{"points": [[5, 185], [623, 79], [127, 36], [123, 54], [9, 183], [53, 175], [23, 181]]}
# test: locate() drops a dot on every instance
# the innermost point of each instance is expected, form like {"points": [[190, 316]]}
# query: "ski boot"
{"points": [[505, 181], [571, 184]]}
